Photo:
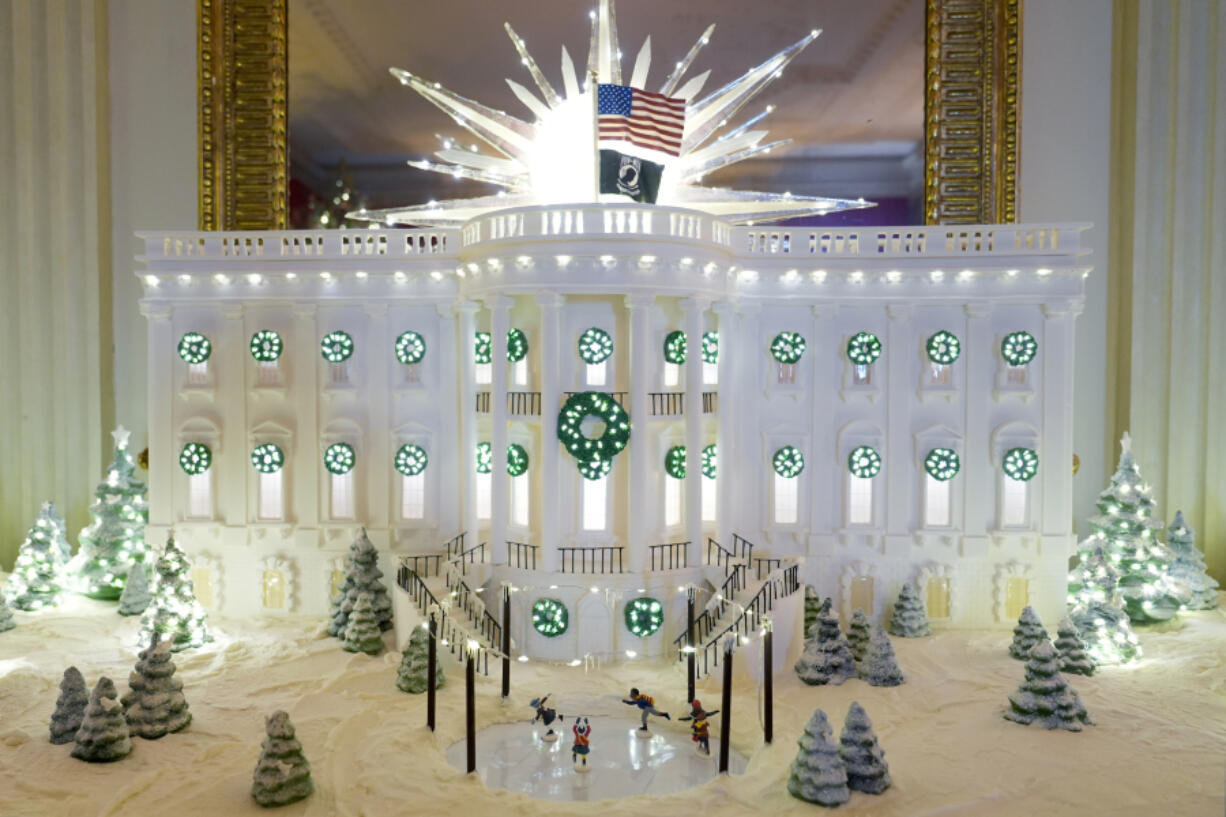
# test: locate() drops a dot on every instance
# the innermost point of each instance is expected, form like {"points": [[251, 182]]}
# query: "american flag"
{"points": [[652, 121]]}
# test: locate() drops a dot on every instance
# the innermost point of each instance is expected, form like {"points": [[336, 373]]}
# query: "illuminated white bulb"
{"points": [[893, 276], [937, 275], [185, 279], [254, 279], [290, 276], [631, 654], [151, 280], [400, 276], [361, 273], [325, 275], [1043, 272], [221, 279]]}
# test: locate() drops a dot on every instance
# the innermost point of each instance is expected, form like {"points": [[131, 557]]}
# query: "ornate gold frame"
{"points": [[973, 98]]}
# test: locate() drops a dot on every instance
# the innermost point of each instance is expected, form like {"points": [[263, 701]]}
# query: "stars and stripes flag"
{"points": [[652, 121]]}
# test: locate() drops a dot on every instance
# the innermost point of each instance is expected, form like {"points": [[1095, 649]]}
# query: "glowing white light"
{"points": [[185, 279], [524, 260], [325, 275], [151, 280], [937, 276], [254, 279], [562, 260], [818, 276], [647, 259], [290, 276], [606, 259], [576, 662], [1012, 273], [400, 276], [966, 275], [856, 276], [893, 276], [631, 654], [523, 659], [221, 279], [361, 273], [1043, 272], [436, 275]]}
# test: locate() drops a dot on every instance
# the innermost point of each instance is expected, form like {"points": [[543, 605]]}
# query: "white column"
{"points": [[304, 464], [551, 465], [162, 449], [693, 308], [500, 318], [639, 523], [825, 488], [447, 466], [468, 414], [729, 344], [1056, 442], [378, 460], [749, 502], [976, 481], [233, 466], [900, 393]]}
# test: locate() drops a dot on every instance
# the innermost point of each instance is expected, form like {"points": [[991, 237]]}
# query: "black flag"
{"points": [[630, 176]]}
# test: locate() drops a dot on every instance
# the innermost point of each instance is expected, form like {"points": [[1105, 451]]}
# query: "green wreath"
{"points": [[788, 462], [195, 348], [675, 347], [195, 458], [410, 348], [339, 458], [674, 462], [942, 463], [411, 460], [787, 347], [863, 349], [336, 347], [517, 345], [864, 462], [584, 404], [517, 460], [485, 458], [483, 352], [1019, 348], [1020, 464], [595, 345], [709, 461], [549, 617], [944, 348], [596, 469], [267, 458], [644, 616], [710, 347], [266, 346]]}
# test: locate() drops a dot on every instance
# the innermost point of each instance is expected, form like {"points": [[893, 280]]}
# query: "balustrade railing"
{"points": [[763, 566], [667, 403], [742, 547], [621, 397], [600, 559], [522, 555], [719, 556], [424, 564], [669, 556], [450, 635], [710, 402], [487, 626], [915, 242], [780, 584], [524, 403], [474, 555], [454, 545], [483, 402]]}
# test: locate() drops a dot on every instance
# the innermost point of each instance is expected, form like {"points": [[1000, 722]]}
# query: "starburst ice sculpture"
{"points": [[551, 160]]}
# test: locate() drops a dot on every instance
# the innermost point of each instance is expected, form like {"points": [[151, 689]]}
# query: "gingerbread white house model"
{"points": [[599, 403]]}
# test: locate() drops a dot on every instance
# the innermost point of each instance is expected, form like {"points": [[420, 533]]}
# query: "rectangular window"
{"points": [[1015, 375], [484, 373], [342, 496], [267, 373], [1013, 502], [271, 497], [940, 374], [521, 500], [413, 496], [938, 597], [484, 494], [594, 500], [785, 374], [597, 373], [787, 500], [412, 374], [861, 374], [710, 373], [1017, 596], [936, 502], [862, 594], [859, 500], [200, 495], [198, 374], [338, 373], [708, 499], [672, 375], [672, 501], [202, 584], [519, 373]]}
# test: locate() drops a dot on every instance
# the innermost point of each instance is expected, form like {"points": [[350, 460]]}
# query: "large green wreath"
{"points": [[267, 458], [942, 463], [195, 458], [194, 348], [336, 347], [596, 469], [411, 460], [863, 349], [266, 345], [339, 458], [595, 345], [1019, 348], [710, 347], [709, 461], [410, 348], [788, 462], [675, 347], [674, 462], [549, 617], [644, 616], [577, 408], [517, 345], [483, 352], [517, 460], [1020, 464], [485, 458], [864, 462], [944, 348], [787, 347]]}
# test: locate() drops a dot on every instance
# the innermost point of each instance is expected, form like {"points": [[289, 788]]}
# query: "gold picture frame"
{"points": [[971, 112]]}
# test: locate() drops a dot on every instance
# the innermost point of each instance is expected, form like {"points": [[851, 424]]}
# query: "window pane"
{"points": [[202, 583], [339, 373], [862, 594], [342, 496], [672, 374], [484, 488], [413, 496], [485, 373], [785, 373], [594, 492], [521, 499], [274, 590], [271, 495], [940, 374], [787, 490], [708, 499], [1017, 596], [672, 501], [1016, 375], [938, 597], [200, 495], [519, 374], [1013, 513], [596, 373], [266, 373], [936, 505], [198, 373], [710, 373], [859, 500], [862, 374]]}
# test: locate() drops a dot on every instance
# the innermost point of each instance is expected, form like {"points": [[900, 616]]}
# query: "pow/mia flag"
{"points": [[629, 176]]}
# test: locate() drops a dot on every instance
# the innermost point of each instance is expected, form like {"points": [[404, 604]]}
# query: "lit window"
{"points": [[672, 501], [1017, 596], [859, 500], [672, 375], [484, 493], [342, 495], [594, 495], [862, 594], [521, 500], [202, 583], [708, 499], [485, 373], [412, 373], [785, 373], [936, 502], [413, 496], [200, 495], [338, 373], [787, 500], [862, 374], [198, 373], [271, 502], [274, 590], [940, 374], [938, 597], [710, 373], [519, 372], [266, 373], [596, 373], [1015, 494], [1015, 375], [335, 580]]}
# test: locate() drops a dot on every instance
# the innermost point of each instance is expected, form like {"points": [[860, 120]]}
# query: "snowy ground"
{"points": [[1159, 746]]}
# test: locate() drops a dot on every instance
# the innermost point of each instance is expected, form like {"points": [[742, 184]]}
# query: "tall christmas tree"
{"points": [[116, 537], [412, 676], [1098, 612], [174, 611], [880, 665], [1125, 527], [1195, 588], [362, 575], [62, 541], [362, 631], [38, 572], [1028, 632], [817, 772]]}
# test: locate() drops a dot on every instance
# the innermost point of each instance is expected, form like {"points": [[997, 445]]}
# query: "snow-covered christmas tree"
{"points": [[174, 611], [38, 573], [1195, 589], [362, 633], [282, 774], [862, 756], [827, 657], [859, 633], [1072, 650], [813, 603], [1098, 612], [880, 666], [154, 705], [69, 707], [116, 537], [1028, 632], [817, 772], [1125, 527], [362, 574], [136, 595], [412, 676], [1045, 697], [103, 735], [909, 619], [6, 616], [57, 520]]}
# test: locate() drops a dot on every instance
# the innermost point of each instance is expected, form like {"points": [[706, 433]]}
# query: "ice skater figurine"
{"points": [[544, 714], [699, 726], [583, 737], [646, 705]]}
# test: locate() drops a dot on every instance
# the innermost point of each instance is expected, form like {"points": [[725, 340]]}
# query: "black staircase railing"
{"points": [[464, 596], [710, 402], [601, 559], [524, 403], [454, 545], [782, 584], [424, 564], [522, 555], [450, 634], [719, 556], [667, 403], [669, 556], [763, 566], [742, 547], [472, 556]]}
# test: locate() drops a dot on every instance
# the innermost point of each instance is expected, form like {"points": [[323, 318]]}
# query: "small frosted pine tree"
{"points": [[1195, 589], [1028, 632], [362, 633], [103, 736], [827, 657], [116, 537], [174, 611], [362, 574], [1072, 650], [1045, 697], [817, 772], [909, 619], [61, 541], [1098, 612], [859, 633], [813, 603], [412, 676], [154, 705], [282, 774], [69, 707], [135, 597], [6, 616], [880, 666], [38, 573], [862, 756]]}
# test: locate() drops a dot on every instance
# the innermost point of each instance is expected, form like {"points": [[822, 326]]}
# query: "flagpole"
{"points": [[595, 86]]}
